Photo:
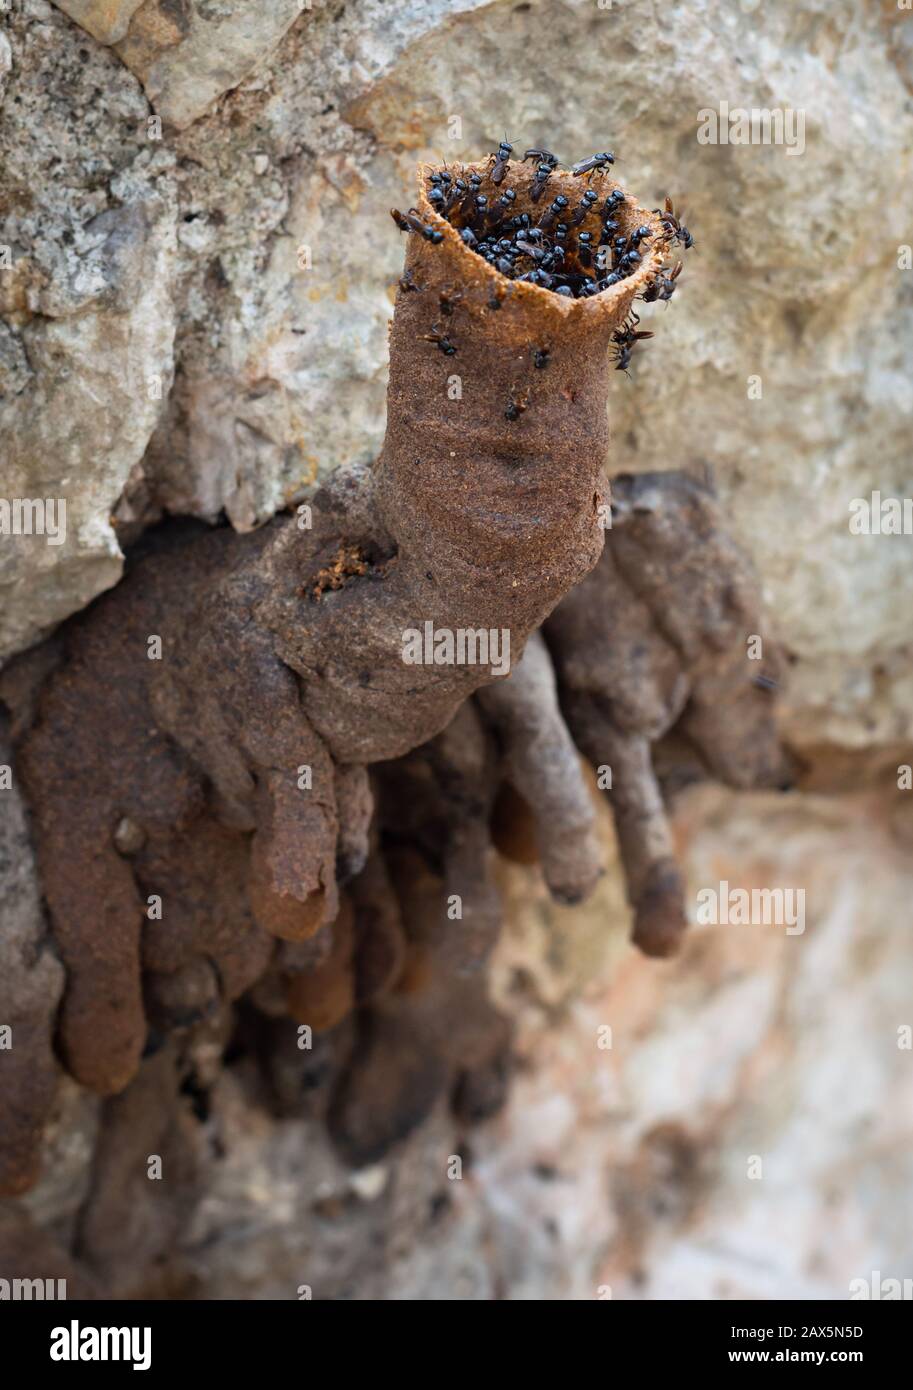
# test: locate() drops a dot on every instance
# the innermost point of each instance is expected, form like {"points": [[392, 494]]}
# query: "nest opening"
{"points": [[573, 232]]}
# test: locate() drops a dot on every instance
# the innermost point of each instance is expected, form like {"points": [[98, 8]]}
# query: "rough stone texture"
{"points": [[31, 983], [629, 1170], [106, 20], [187, 55], [752, 1043], [87, 307]]}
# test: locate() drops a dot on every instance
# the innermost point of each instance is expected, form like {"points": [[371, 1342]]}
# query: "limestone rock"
{"points": [[186, 54], [100, 350], [106, 20], [31, 983], [86, 307]]}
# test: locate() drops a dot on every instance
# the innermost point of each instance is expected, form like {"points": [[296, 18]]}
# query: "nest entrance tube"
{"points": [[496, 426], [574, 236]]}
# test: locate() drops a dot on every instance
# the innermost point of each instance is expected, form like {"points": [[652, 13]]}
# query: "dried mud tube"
{"points": [[250, 812]]}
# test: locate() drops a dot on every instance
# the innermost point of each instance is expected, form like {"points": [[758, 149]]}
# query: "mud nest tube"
{"points": [[268, 826]]}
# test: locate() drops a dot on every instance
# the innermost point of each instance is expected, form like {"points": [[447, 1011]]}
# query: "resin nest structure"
{"points": [[546, 227], [251, 813]]}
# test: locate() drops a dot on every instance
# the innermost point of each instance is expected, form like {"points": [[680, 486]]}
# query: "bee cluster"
{"points": [[573, 250]]}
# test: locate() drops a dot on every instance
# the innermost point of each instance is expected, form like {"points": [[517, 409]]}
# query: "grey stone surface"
{"points": [[86, 307], [106, 20], [29, 972]]}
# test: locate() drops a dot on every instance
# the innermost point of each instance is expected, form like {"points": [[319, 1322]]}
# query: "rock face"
{"points": [[32, 982], [186, 55], [87, 311], [193, 319]]}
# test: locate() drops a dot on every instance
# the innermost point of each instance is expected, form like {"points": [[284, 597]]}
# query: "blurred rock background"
{"points": [[167, 169]]}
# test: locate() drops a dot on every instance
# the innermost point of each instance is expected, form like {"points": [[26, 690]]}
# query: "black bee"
{"points": [[623, 358], [411, 222], [614, 200], [553, 212], [543, 172], [521, 223], [475, 183], [669, 279], [457, 192], [516, 406], [640, 234], [675, 230], [540, 357], [541, 157], [406, 221], [663, 287], [595, 161], [539, 277], [586, 205], [443, 342], [625, 340], [528, 249], [448, 301], [479, 211], [406, 282], [585, 249], [500, 166], [667, 285]]}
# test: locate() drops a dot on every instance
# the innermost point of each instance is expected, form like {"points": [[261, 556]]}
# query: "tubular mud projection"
{"points": [[440, 771]]}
